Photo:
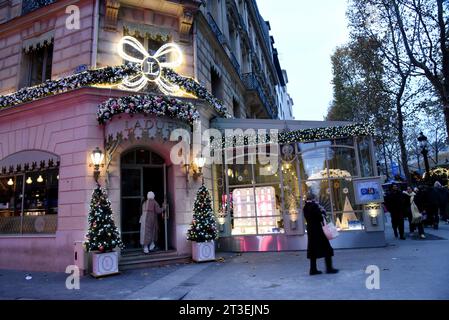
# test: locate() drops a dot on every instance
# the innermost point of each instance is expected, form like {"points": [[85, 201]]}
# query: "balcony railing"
{"points": [[234, 62], [31, 5], [235, 10], [222, 40], [215, 29], [252, 84]]}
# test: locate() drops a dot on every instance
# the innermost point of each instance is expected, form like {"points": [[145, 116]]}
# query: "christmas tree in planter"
{"points": [[203, 229], [103, 236]]}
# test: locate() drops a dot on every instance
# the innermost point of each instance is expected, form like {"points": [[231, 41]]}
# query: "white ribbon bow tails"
{"points": [[151, 66]]}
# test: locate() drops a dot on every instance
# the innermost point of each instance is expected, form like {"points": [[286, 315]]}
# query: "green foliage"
{"points": [[203, 227], [102, 235]]}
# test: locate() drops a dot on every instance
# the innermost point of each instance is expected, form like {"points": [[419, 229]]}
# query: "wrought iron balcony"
{"points": [[252, 84], [31, 5], [234, 10], [234, 62], [222, 40], [215, 29]]}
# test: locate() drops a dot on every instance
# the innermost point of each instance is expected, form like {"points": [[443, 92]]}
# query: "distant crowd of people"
{"points": [[422, 206]]}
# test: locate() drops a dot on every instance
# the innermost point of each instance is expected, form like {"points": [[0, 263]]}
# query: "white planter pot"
{"points": [[203, 251], [104, 264]]}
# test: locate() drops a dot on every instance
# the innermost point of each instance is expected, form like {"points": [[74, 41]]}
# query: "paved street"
{"points": [[410, 269]]}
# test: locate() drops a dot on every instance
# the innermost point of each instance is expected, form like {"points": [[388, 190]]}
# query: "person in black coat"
{"points": [[395, 203], [318, 245]]}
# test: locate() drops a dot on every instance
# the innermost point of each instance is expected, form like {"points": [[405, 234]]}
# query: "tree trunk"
{"points": [[446, 116], [385, 160], [401, 131]]}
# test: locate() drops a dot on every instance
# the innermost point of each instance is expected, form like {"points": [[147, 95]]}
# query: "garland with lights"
{"points": [[107, 75], [203, 227], [147, 104], [102, 235], [193, 87], [104, 76], [302, 135]]}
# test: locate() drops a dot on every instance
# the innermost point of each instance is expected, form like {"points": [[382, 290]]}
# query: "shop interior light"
{"points": [[29, 180], [40, 179], [10, 182]]}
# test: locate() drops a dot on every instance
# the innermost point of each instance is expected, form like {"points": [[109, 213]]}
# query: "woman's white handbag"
{"points": [[330, 230]]}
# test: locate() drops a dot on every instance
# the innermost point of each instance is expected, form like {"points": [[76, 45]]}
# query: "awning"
{"points": [[39, 41], [147, 31]]}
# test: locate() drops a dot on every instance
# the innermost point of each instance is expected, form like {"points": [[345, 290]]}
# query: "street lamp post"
{"points": [[422, 139]]}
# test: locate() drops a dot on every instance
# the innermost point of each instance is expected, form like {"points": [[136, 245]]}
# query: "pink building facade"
{"points": [[46, 140]]}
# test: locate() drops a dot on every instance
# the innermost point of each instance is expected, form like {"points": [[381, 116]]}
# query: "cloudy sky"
{"points": [[306, 34]]}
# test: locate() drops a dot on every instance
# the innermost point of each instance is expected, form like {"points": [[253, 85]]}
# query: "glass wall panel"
{"points": [[342, 162], [346, 214], [239, 174], [268, 207], [10, 204], [366, 163], [243, 211], [312, 164]]}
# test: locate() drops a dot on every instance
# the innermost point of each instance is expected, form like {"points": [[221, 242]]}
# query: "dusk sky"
{"points": [[306, 34]]}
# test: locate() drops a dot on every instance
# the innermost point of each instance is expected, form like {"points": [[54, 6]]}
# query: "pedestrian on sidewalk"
{"points": [[408, 194], [415, 213], [394, 202], [318, 245]]}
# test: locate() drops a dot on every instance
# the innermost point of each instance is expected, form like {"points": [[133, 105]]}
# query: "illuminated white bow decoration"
{"points": [[151, 66]]}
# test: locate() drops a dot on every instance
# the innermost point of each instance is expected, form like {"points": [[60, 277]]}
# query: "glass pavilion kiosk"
{"points": [[259, 206]]}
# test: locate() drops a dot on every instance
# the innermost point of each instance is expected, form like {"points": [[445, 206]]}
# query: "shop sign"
{"points": [[140, 126]]}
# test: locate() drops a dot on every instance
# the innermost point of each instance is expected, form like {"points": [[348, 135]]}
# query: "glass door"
{"points": [[131, 210]]}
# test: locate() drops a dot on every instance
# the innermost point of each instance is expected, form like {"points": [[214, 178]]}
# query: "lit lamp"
{"points": [[423, 144], [221, 221], [10, 182], [97, 159], [293, 219], [373, 212], [198, 168]]}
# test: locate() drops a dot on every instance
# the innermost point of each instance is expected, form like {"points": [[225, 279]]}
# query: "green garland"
{"points": [[302, 135], [107, 75]]}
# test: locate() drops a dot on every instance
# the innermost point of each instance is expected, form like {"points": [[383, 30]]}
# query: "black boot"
{"points": [[329, 268], [313, 268]]}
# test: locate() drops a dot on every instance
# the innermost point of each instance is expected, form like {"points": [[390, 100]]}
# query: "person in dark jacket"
{"points": [[394, 202], [318, 245]]}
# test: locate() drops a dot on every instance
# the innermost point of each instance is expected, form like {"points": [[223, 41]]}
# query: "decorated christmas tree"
{"points": [[203, 227], [103, 235]]}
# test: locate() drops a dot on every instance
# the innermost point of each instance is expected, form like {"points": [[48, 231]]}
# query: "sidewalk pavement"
{"points": [[409, 269]]}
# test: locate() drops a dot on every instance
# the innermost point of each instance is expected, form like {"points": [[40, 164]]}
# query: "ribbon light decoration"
{"points": [[151, 65]]}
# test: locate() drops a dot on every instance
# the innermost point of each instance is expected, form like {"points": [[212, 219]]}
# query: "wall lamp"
{"points": [[293, 220], [373, 212], [97, 157], [197, 167]]}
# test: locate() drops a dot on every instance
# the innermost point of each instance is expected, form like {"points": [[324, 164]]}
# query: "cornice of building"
{"points": [[25, 20]]}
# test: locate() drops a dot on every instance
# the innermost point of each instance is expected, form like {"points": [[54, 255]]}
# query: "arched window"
{"points": [[29, 193]]}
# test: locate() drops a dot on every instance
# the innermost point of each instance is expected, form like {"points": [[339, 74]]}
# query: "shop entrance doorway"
{"points": [[142, 171]]}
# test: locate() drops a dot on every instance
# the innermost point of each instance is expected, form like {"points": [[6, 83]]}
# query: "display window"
{"points": [[29, 198]]}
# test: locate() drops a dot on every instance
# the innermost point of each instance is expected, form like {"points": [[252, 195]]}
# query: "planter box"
{"points": [[104, 264], [203, 251]]}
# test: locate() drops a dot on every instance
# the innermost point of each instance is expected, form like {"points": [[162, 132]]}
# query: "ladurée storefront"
{"points": [[259, 191], [50, 134]]}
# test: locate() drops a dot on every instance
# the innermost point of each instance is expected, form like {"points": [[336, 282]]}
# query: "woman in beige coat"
{"points": [[148, 222]]}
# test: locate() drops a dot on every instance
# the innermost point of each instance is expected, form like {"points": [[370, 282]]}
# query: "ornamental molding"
{"points": [[142, 127], [185, 24], [111, 14]]}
